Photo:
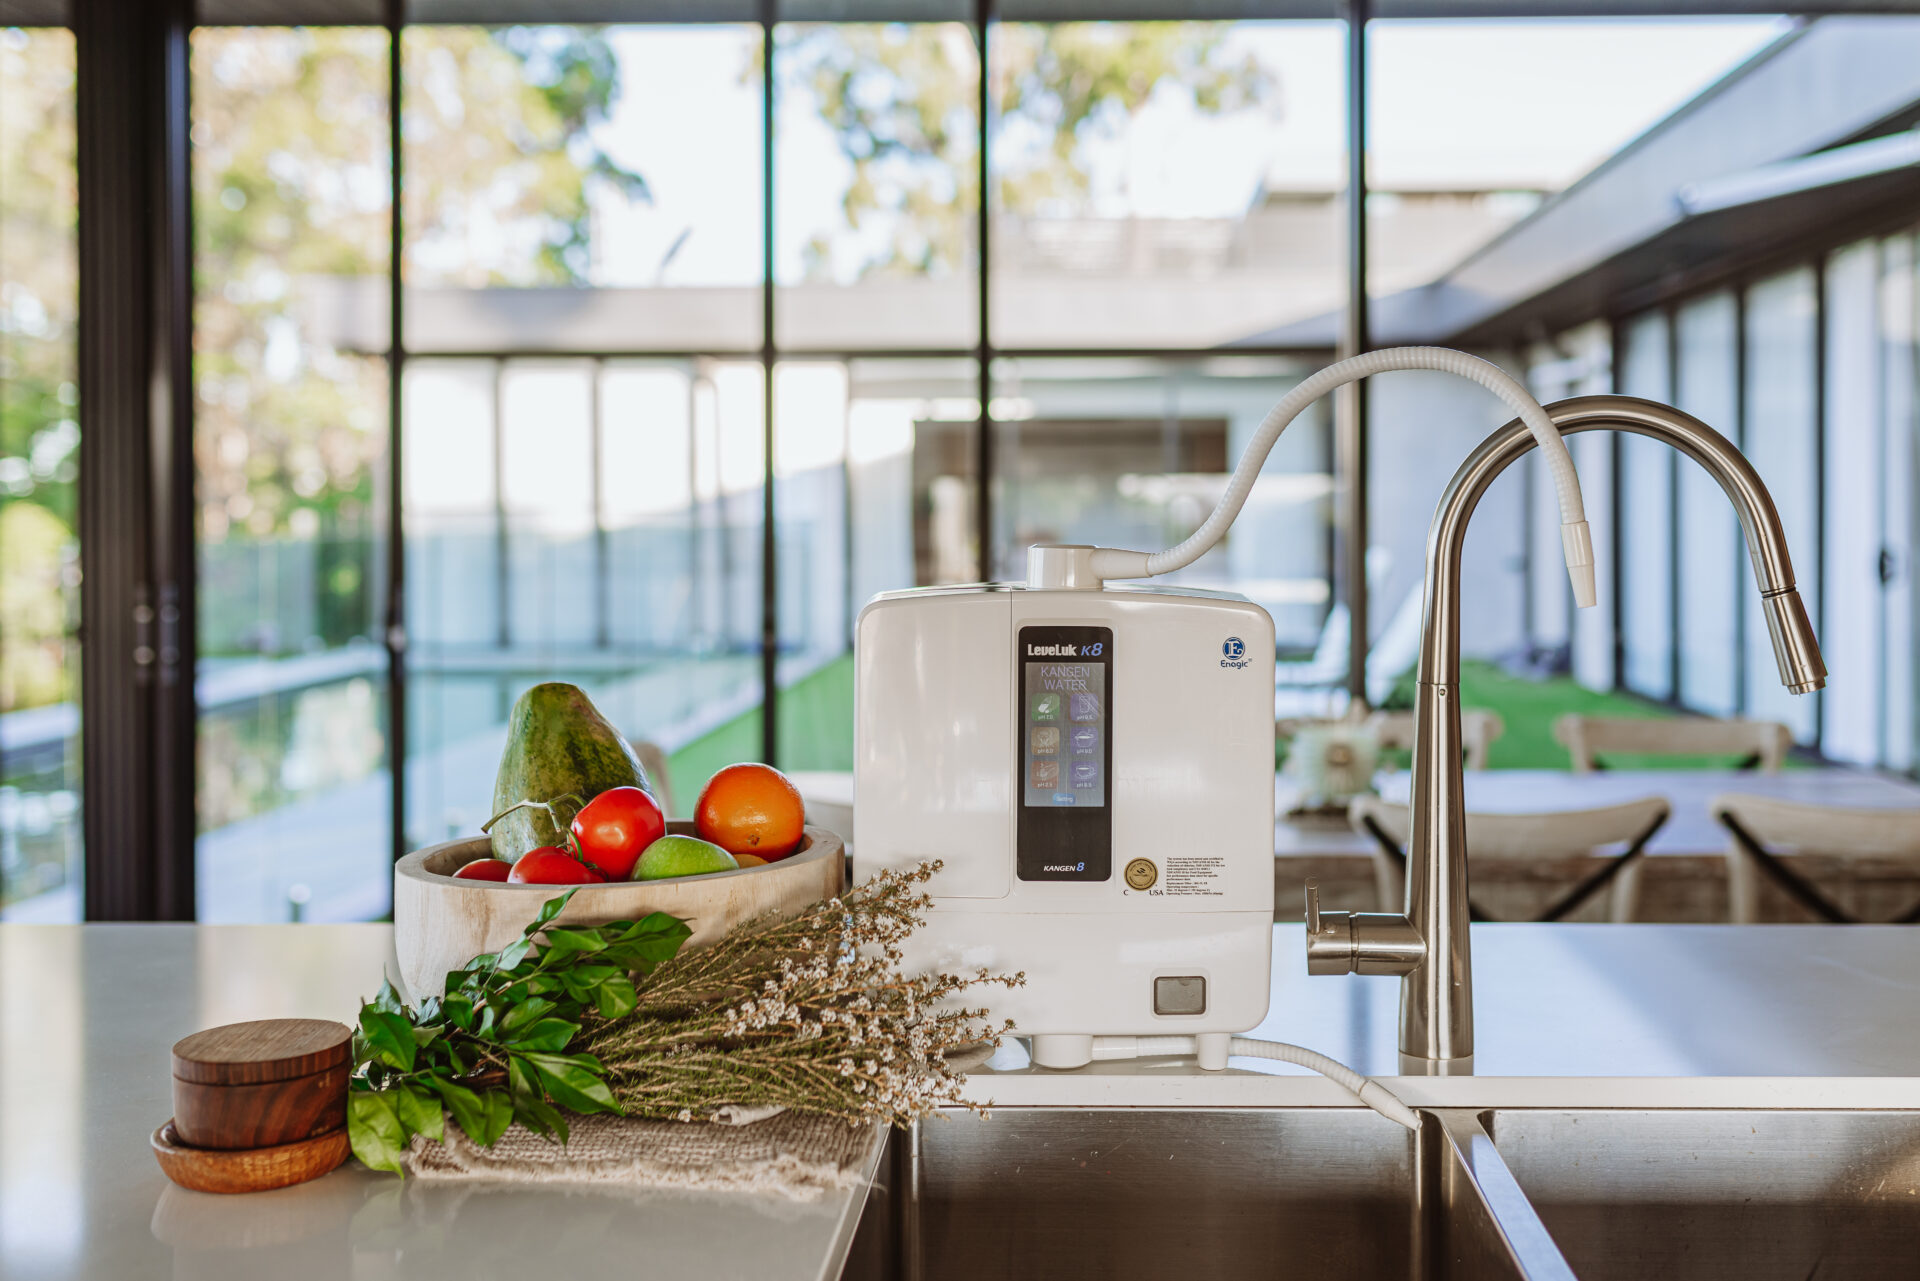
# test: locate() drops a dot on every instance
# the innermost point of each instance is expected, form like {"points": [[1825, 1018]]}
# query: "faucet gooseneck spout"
{"points": [[1427, 945]]}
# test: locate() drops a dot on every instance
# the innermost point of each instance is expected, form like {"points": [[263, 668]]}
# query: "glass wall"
{"points": [[1134, 452], [592, 409], [589, 518], [290, 183], [1164, 184], [40, 836], [1782, 440], [1899, 343], [1646, 505], [1713, 569], [877, 195]]}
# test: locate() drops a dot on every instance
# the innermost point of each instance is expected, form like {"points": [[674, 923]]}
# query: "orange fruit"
{"points": [[751, 809], [749, 860]]}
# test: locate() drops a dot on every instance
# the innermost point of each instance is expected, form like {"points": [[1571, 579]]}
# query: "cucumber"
{"points": [[558, 744]]}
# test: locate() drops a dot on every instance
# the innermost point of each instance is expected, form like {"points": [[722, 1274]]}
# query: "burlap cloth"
{"points": [[793, 1154]]}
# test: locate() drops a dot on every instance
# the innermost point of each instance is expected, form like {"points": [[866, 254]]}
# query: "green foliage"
{"points": [[903, 102], [39, 398], [492, 1048], [291, 183]]}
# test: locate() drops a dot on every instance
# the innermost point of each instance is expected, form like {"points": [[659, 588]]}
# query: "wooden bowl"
{"points": [[439, 923], [248, 1169]]}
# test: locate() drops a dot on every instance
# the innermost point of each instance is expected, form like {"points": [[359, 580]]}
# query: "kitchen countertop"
{"points": [[1643, 1016], [87, 1016], [1568, 1016]]}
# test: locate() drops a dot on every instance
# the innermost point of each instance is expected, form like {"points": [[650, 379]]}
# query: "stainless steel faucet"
{"points": [[1427, 944]]}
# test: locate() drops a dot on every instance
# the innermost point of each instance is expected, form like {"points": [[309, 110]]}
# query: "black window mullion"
{"points": [[394, 631], [983, 350], [769, 553], [136, 459]]}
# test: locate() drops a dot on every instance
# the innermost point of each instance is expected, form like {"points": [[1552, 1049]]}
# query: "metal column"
{"points": [[769, 542], [394, 630], [136, 459], [983, 351], [1350, 404]]}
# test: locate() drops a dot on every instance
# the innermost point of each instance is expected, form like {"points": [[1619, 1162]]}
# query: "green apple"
{"points": [[681, 856]]}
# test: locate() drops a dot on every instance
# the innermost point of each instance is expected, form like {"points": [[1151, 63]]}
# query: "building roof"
{"points": [[1629, 225]]}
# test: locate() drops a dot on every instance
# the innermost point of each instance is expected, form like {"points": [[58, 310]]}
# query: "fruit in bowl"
{"points": [[751, 809], [672, 856]]}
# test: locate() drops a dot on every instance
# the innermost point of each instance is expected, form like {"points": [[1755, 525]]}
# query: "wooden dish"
{"points": [[439, 923], [261, 1084], [249, 1169]]}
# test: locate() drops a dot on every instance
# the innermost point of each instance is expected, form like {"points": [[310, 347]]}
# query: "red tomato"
{"points": [[484, 869], [551, 865], [615, 827]]}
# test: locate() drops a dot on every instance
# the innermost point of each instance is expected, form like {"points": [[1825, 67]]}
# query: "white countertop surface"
{"points": [[1753, 1016], [1568, 1015], [87, 1017]]}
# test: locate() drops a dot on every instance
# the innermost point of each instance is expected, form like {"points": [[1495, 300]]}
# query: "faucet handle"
{"points": [[1329, 937]]}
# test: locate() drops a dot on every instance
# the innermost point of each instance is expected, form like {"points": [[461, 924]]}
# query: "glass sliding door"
{"points": [[1782, 442], [1712, 561], [40, 783], [1899, 313], [290, 192], [1646, 518], [1852, 624], [584, 410]]}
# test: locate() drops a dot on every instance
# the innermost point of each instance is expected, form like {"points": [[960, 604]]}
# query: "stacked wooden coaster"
{"points": [[257, 1105]]}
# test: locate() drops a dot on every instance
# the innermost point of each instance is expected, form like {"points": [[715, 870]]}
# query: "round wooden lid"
{"points": [[266, 1050]]}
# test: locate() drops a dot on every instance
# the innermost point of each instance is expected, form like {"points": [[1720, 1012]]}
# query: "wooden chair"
{"points": [[1527, 837], [1762, 745], [1480, 729], [653, 759], [1758, 825]]}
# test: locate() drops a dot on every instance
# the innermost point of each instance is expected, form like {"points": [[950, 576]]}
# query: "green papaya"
{"points": [[558, 744]]}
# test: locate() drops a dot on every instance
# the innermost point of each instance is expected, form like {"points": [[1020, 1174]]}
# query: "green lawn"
{"points": [[816, 732], [1529, 708]]}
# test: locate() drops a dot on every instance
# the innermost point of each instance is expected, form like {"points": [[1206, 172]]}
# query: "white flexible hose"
{"points": [[1364, 1088], [1575, 538]]}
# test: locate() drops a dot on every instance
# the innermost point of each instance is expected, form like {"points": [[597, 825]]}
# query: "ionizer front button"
{"points": [[1183, 994], [1141, 874]]}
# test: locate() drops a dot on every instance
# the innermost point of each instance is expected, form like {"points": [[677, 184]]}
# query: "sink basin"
{"points": [[1709, 1195], [1542, 1195], [1136, 1193]]}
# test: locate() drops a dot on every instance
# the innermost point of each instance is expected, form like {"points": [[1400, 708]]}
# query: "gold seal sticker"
{"points": [[1141, 874]]}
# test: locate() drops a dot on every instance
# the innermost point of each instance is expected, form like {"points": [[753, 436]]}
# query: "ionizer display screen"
{"points": [[1066, 752]]}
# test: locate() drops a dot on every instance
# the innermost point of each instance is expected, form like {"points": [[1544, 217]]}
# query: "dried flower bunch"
{"points": [[811, 1013]]}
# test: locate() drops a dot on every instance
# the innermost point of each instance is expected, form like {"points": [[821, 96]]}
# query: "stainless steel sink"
{"points": [[1125, 1193], [1710, 1195], [1540, 1195]]}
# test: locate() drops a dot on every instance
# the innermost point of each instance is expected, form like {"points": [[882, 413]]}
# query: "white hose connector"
{"points": [[1575, 537], [1364, 1088]]}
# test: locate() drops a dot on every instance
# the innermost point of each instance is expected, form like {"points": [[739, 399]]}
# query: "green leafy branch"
{"points": [[492, 1049]]}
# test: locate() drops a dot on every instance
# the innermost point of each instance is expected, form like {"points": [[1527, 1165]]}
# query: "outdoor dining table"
{"points": [[1688, 851]]}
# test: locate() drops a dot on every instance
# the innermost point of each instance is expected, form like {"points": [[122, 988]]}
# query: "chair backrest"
{"points": [[1834, 830], [1480, 729], [1585, 737], [1516, 836], [653, 759]]}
